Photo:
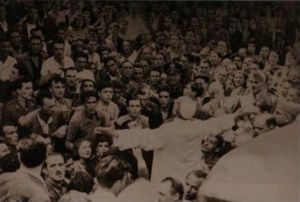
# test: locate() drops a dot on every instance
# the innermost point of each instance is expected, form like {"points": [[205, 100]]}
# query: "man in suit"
{"points": [[32, 60], [22, 104], [26, 184], [45, 124]]}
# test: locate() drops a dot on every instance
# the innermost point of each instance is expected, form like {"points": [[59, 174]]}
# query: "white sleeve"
{"points": [[215, 126], [145, 138]]}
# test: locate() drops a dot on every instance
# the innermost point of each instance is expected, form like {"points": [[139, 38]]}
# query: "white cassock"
{"points": [[176, 145]]}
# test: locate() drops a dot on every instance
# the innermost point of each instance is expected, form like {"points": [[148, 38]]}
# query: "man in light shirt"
{"points": [[6, 62], [57, 63]]}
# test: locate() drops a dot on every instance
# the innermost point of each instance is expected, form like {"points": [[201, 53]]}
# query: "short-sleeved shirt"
{"points": [[81, 126]]}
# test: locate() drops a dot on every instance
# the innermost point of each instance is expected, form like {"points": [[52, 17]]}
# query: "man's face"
{"points": [[11, 134], [237, 61], [14, 74], [251, 48], [204, 68], [154, 77], [174, 41], [222, 47], [56, 168], [255, 84], [111, 66], [48, 106], [35, 46], [159, 59], [71, 76], [58, 49], [88, 86], [144, 99], [90, 104], [57, 89], [4, 48], [70, 171], [127, 70], [81, 63], [164, 191], [102, 148], [264, 52], [139, 73], [3, 149], [134, 108], [61, 34], [273, 58], [238, 80], [191, 187], [214, 58], [164, 98], [15, 38], [201, 83], [106, 94], [32, 14], [26, 91]]}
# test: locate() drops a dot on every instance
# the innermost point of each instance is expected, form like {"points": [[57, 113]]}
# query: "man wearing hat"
{"points": [[175, 144], [174, 79]]}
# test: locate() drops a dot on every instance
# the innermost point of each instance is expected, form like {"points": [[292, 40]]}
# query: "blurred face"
{"points": [[61, 34], [79, 22], [204, 68], [10, 134], [164, 98], [154, 77], [4, 48], [90, 105], [237, 61], [71, 76], [284, 88], [255, 84], [32, 14], [174, 41], [222, 77], [231, 68], [58, 49], [144, 99], [159, 59], [106, 94], [164, 191], [93, 45], [69, 167], [26, 91], [147, 54], [126, 47], [14, 74], [57, 89], [242, 52], [293, 95], [264, 52], [85, 150], [81, 63], [251, 48], [102, 148], [134, 108], [209, 144], [222, 47], [163, 78], [214, 58], [139, 74], [238, 80], [294, 77], [56, 167], [35, 46], [3, 149], [273, 58], [191, 187], [48, 106], [88, 86], [111, 66], [127, 70], [15, 38]]}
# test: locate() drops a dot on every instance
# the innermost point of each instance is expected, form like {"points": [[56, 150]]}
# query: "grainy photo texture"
{"points": [[149, 101]]}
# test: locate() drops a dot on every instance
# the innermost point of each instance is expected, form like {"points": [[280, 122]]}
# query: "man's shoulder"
{"points": [[123, 119]]}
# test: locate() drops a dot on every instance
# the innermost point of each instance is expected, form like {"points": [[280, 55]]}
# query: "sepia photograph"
{"points": [[149, 101]]}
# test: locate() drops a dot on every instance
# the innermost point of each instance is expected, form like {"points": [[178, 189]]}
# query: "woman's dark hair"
{"points": [[82, 182], [9, 162], [110, 169]]}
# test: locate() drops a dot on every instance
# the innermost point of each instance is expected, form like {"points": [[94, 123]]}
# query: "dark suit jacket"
{"points": [[13, 110]]}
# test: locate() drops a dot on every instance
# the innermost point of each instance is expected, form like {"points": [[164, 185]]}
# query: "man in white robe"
{"points": [[176, 145]]}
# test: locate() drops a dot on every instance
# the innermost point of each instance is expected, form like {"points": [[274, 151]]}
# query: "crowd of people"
{"points": [[137, 101]]}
